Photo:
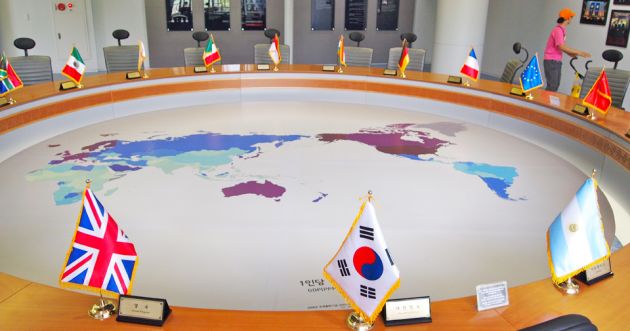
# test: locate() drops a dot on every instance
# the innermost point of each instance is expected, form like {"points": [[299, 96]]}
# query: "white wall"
{"points": [[110, 15], [510, 21], [530, 23], [424, 26], [34, 19]]}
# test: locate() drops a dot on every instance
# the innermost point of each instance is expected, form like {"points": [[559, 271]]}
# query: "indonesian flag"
{"points": [[211, 55], [142, 54], [341, 52], [75, 67], [404, 57], [363, 270], [599, 95], [471, 66], [274, 50]]}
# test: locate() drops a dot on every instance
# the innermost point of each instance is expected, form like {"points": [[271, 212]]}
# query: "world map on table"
{"points": [[212, 156]]}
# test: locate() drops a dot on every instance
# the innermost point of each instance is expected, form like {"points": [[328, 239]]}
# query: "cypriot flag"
{"points": [[363, 270], [575, 239]]}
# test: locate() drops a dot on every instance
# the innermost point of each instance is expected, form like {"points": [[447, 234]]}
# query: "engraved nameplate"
{"points": [[492, 296]]}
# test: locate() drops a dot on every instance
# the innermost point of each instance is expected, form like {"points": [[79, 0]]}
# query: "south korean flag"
{"points": [[363, 270]]}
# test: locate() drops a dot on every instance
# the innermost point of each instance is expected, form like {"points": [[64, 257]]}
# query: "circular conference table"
{"points": [[43, 112]]}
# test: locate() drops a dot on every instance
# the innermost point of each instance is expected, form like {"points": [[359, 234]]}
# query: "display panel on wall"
{"points": [[594, 12], [618, 28], [387, 15], [356, 15], [322, 15], [179, 15], [217, 15], [621, 2], [253, 14]]}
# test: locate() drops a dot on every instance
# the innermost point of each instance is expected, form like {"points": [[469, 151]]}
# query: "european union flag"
{"points": [[531, 78]]}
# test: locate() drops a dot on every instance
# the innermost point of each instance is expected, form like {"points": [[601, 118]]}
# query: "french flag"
{"points": [[471, 66]]}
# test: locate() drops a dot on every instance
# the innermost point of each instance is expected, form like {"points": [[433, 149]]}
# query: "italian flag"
{"points": [[211, 54], [75, 67]]}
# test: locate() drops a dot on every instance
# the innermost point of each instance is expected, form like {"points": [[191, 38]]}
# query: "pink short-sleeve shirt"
{"points": [[556, 38]]}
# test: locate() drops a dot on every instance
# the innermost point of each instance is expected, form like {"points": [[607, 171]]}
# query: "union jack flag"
{"points": [[101, 256]]}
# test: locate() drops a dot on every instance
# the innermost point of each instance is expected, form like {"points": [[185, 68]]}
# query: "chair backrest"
{"points": [[571, 322], [121, 58], [261, 54], [357, 37], [193, 57], [509, 72], [32, 69], [416, 58], [358, 56], [617, 80]]}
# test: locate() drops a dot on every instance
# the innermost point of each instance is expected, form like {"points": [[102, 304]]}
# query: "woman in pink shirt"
{"points": [[555, 47]]}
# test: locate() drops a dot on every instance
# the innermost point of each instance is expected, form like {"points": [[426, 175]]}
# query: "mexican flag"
{"points": [[75, 67], [211, 54]]}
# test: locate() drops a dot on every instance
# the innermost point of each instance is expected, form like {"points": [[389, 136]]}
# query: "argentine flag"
{"points": [[575, 239]]}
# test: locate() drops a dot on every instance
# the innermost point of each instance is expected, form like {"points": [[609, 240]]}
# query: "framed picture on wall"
{"points": [[217, 15], [322, 15], [387, 15], [179, 15], [594, 12], [356, 15], [618, 28], [253, 14], [621, 2]]}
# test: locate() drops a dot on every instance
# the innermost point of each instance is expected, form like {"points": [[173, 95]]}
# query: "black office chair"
{"points": [[618, 80], [121, 58], [120, 34], [270, 33], [357, 37], [572, 322], [193, 55], [410, 36], [513, 65], [32, 69], [612, 55]]}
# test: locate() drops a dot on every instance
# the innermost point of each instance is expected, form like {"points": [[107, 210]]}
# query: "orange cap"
{"points": [[566, 13]]}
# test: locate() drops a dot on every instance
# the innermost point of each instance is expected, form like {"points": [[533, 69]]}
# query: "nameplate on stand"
{"points": [[407, 311], [262, 67], [579, 109], [133, 75], [142, 310], [517, 91], [198, 70], [596, 273], [390, 72], [491, 296], [4, 102], [454, 80], [328, 68], [67, 86]]}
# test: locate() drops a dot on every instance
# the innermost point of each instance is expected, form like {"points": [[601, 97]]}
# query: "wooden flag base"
{"points": [[390, 72], [134, 75], [64, 86], [454, 80], [517, 91], [581, 110]]}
